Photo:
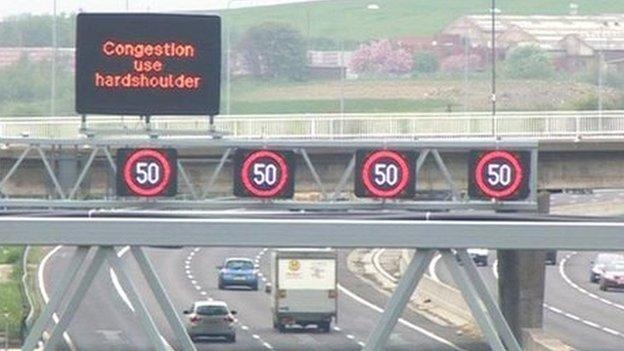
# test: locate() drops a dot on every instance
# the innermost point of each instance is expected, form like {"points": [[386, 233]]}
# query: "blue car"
{"points": [[238, 272]]}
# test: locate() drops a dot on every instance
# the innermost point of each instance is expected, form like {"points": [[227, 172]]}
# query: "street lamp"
{"points": [[494, 11], [343, 70], [54, 52], [228, 38]]}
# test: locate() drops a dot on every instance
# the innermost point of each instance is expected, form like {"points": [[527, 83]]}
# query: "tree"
{"points": [[273, 50], [528, 62], [36, 30], [425, 62], [380, 58]]}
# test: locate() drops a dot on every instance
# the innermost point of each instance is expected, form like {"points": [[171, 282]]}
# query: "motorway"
{"points": [[576, 311]]}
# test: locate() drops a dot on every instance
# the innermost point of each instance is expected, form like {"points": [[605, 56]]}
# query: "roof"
{"points": [[601, 32], [210, 303], [238, 259]]}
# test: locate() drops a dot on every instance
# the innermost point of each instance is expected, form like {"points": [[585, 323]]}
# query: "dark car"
{"points": [[238, 272]]}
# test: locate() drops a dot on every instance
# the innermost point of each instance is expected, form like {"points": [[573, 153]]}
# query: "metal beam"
{"points": [[285, 144], [143, 315], [53, 304], [163, 299], [343, 233], [478, 310], [501, 325], [405, 289], [226, 204], [76, 298]]}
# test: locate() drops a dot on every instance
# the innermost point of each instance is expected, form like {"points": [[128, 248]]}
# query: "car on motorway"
{"points": [[551, 257], [210, 319], [479, 256], [612, 276], [599, 264], [238, 272]]}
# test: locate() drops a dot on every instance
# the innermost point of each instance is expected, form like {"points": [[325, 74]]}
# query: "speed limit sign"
{"points": [[385, 174], [147, 172], [264, 174], [499, 174]]}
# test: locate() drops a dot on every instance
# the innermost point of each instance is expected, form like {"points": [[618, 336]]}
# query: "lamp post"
{"points": [[228, 38], [54, 52], [343, 70], [493, 11]]}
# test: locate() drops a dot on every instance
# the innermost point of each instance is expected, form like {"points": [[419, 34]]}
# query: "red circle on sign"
{"points": [[283, 172], [517, 173], [140, 189], [397, 159]]}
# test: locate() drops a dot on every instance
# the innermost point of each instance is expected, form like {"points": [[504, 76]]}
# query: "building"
{"points": [[329, 64], [574, 40]]}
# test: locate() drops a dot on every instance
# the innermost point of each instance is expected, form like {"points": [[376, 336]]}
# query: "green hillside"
{"points": [[351, 20]]}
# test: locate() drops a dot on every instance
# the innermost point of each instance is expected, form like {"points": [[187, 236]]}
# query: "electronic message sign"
{"points": [[147, 172], [148, 64], [385, 174], [264, 174], [499, 174]]}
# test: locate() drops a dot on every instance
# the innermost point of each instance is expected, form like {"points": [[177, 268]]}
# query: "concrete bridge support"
{"points": [[521, 283]]}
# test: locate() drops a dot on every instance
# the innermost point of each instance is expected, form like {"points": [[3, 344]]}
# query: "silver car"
{"points": [[599, 264], [210, 319]]}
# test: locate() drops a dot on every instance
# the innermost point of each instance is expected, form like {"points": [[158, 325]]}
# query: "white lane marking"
{"points": [[337, 328], [432, 267], [267, 345], [44, 292], [203, 293], [244, 327], [350, 336], [559, 311], [495, 268], [361, 343], [196, 249], [611, 331], [585, 322], [377, 264], [404, 322], [256, 336], [122, 293], [578, 288]]}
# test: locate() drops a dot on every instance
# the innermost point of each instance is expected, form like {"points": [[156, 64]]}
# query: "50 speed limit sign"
{"points": [[147, 172], [264, 174], [385, 174], [499, 174]]}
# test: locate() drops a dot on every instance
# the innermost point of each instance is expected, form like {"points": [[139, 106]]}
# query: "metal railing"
{"points": [[541, 125]]}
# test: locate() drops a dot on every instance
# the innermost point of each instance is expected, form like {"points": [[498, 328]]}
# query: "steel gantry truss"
{"points": [[198, 196], [103, 234]]}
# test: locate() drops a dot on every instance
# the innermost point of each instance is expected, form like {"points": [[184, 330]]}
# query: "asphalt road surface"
{"points": [[105, 321]]}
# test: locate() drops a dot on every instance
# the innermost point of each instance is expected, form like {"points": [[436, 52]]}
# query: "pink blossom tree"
{"points": [[380, 58]]}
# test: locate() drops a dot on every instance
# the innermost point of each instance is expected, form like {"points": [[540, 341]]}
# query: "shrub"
{"points": [[528, 62], [425, 62]]}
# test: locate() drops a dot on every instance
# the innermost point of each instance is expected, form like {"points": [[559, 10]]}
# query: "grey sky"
{"points": [[13, 7]]}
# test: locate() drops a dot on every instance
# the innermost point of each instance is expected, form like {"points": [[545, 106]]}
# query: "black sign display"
{"points": [[264, 174], [385, 174], [148, 64], [147, 172], [499, 174]]}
